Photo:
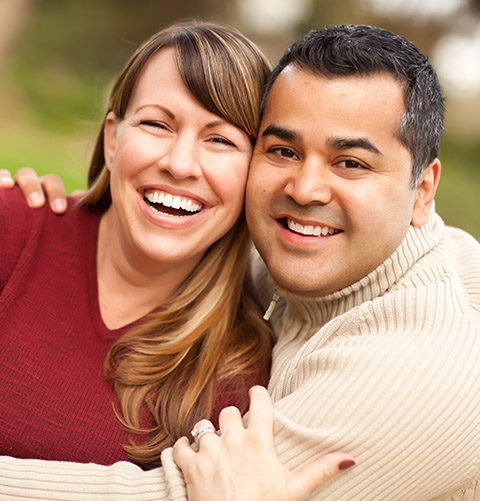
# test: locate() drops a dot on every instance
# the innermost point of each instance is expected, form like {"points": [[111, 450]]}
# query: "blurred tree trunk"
{"points": [[13, 17]]}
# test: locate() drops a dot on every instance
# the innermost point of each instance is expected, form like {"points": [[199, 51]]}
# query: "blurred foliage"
{"points": [[72, 49], [457, 199], [53, 87]]}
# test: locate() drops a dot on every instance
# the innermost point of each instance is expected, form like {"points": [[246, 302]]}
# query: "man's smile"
{"points": [[310, 229]]}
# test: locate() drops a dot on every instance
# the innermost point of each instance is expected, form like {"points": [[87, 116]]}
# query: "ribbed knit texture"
{"points": [[387, 369]]}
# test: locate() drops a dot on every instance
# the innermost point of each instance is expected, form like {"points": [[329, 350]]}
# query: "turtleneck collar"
{"points": [[314, 312]]}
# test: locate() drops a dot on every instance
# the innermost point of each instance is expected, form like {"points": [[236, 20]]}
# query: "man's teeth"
{"points": [[175, 202], [309, 229]]}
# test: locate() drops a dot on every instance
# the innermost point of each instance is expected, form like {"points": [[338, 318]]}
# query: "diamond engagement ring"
{"points": [[197, 433]]}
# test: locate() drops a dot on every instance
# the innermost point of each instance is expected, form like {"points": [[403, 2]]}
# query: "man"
{"points": [[378, 321], [377, 351]]}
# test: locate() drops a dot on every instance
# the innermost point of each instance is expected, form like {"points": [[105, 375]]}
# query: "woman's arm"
{"points": [[240, 462], [35, 188], [247, 475]]}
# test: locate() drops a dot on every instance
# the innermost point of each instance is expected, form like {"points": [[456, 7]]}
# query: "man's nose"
{"points": [[310, 183]]}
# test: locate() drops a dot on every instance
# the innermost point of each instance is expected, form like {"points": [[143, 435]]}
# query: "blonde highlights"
{"points": [[168, 370]]}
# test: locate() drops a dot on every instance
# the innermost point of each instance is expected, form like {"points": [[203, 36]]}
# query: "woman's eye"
{"points": [[153, 123], [221, 140]]}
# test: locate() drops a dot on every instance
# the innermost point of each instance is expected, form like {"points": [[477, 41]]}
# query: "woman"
{"points": [[175, 312], [171, 298]]}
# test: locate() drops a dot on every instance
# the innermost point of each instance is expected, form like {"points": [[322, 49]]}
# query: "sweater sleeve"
{"points": [[35, 480], [402, 402]]}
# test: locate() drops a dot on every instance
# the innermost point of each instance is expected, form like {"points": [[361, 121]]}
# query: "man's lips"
{"points": [[310, 229]]}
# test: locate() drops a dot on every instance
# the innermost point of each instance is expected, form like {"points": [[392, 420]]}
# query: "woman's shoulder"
{"points": [[13, 202], [22, 228], [17, 224], [16, 217]]}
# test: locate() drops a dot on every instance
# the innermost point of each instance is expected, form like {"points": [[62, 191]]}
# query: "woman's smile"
{"points": [[175, 166], [170, 204]]}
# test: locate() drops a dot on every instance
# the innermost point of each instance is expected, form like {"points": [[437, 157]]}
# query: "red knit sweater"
{"points": [[54, 401]]}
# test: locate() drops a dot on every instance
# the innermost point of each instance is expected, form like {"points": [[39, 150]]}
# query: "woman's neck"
{"points": [[130, 284]]}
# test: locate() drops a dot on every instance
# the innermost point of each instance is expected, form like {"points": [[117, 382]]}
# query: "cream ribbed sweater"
{"points": [[387, 369]]}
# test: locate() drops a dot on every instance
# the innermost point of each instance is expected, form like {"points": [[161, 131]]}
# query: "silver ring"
{"points": [[196, 434]]}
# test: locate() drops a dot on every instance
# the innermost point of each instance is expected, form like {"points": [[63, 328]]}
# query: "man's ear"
{"points": [[425, 193], [110, 138]]}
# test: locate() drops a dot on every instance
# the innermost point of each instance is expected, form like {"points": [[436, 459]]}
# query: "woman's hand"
{"points": [[35, 188], [241, 463]]}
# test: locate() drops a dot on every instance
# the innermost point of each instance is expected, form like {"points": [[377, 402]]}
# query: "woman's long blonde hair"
{"points": [[168, 370]]}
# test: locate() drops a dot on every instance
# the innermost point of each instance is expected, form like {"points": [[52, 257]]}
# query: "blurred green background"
{"points": [[58, 59]]}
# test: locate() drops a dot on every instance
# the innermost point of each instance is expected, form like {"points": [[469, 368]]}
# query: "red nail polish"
{"points": [[346, 463]]}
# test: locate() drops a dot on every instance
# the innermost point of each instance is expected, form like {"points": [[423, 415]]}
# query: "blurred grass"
{"points": [[49, 120], [53, 89], [457, 199], [46, 152]]}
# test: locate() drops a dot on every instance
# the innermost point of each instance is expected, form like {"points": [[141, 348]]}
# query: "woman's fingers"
{"points": [[230, 421], [304, 481], [203, 428], [241, 463], [183, 454], [260, 413]]}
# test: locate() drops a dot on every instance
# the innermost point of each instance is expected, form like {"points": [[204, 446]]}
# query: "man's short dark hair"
{"points": [[359, 50]]}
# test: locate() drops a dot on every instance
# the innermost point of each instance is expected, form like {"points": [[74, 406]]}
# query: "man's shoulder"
{"points": [[463, 241], [465, 258]]}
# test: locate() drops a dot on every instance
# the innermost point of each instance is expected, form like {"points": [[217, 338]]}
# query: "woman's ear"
{"points": [[425, 193], [110, 138]]}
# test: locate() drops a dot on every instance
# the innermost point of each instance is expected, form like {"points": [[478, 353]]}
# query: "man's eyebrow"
{"points": [[281, 133], [341, 143]]}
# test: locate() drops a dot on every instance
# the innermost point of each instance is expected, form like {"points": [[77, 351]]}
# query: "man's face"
{"points": [[328, 194]]}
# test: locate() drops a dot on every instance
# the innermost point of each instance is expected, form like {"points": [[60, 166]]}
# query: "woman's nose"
{"points": [[182, 159]]}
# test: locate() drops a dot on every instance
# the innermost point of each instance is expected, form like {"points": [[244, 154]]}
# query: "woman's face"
{"points": [[178, 171]]}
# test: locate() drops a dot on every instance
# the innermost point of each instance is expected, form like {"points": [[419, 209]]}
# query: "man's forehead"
{"points": [[300, 75], [297, 83]]}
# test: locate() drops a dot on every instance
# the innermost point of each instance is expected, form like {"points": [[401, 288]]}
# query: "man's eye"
{"points": [[284, 152], [350, 164]]}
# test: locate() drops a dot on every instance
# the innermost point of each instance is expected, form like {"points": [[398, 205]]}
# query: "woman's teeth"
{"points": [[316, 231], [170, 201]]}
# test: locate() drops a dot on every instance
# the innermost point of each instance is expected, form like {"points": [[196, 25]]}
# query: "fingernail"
{"points": [[59, 205], [6, 181], [346, 463], [35, 199]]}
